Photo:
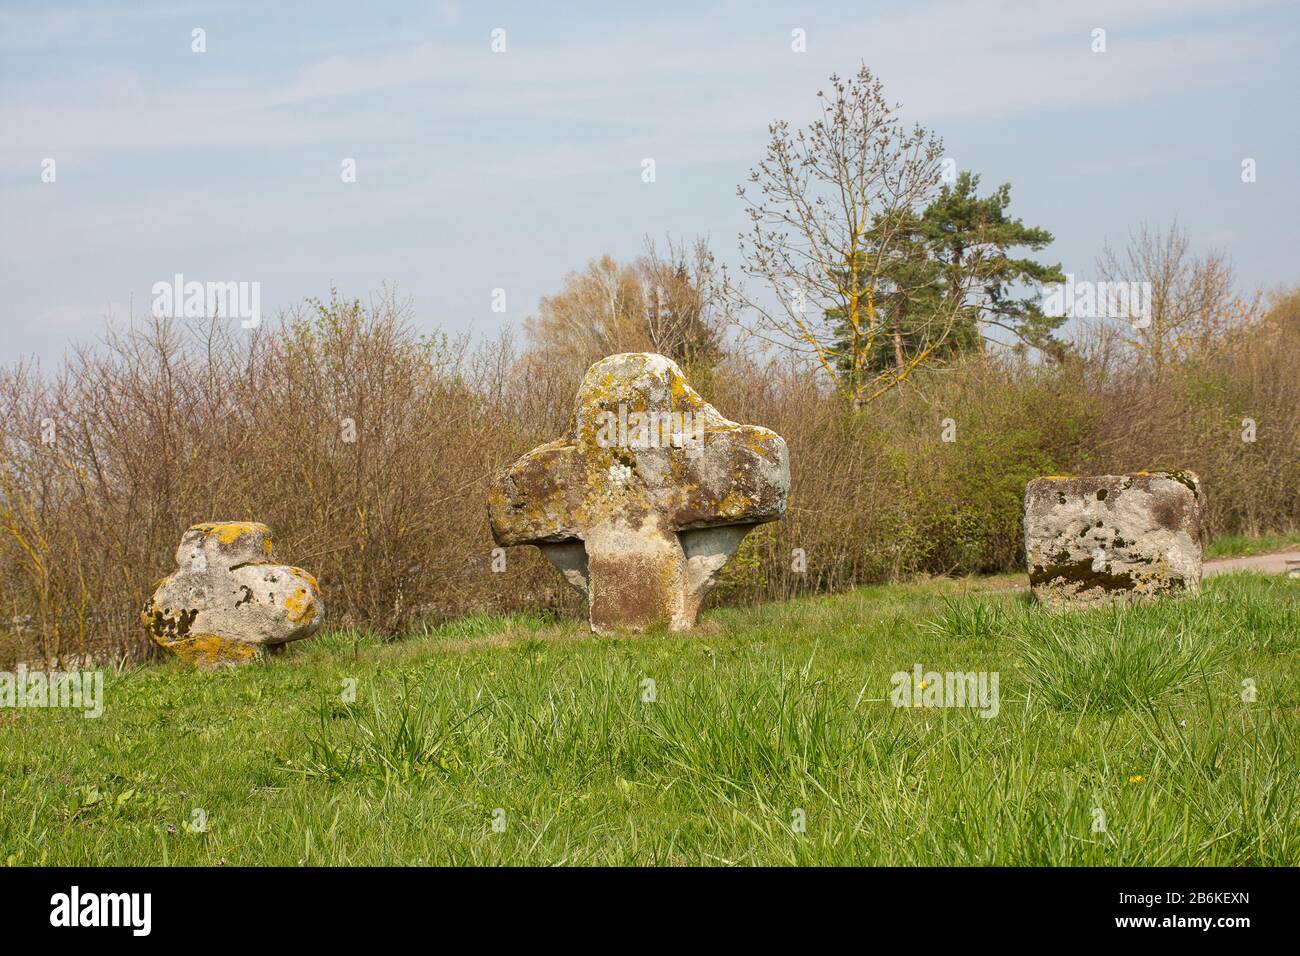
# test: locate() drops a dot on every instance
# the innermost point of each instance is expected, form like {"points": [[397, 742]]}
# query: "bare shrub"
{"points": [[366, 448]]}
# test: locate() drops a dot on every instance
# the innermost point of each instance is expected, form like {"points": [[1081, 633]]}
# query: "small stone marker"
{"points": [[228, 601], [645, 498], [1113, 538]]}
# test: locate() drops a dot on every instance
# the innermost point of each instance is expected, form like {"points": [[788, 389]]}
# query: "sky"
{"points": [[479, 170]]}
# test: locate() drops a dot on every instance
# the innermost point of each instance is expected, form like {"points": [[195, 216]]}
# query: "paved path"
{"points": [[1266, 563]]}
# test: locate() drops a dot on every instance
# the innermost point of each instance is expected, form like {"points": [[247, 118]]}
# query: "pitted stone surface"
{"points": [[646, 497], [228, 599], [1113, 538]]}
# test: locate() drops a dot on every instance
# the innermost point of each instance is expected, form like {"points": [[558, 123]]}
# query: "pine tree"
{"points": [[971, 236], [958, 247]]}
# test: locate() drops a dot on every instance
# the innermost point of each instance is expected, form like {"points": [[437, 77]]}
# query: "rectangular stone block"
{"points": [[1108, 539]]}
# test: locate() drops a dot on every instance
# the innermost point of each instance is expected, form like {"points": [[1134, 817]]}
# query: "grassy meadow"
{"points": [[768, 737]]}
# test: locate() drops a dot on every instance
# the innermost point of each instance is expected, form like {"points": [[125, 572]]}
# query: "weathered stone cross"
{"points": [[645, 498]]}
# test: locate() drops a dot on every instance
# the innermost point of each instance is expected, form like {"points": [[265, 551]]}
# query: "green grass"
{"points": [[765, 717], [1240, 546]]}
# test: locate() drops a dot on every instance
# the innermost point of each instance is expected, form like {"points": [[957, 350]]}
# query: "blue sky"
{"points": [[478, 170]]}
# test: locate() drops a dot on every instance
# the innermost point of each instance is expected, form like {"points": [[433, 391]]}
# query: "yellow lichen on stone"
{"points": [[760, 444], [311, 578], [734, 503], [212, 650], [300, 606], [227, 532]]}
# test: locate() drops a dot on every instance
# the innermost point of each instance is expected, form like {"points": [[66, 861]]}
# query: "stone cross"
{"points": [[645, 498], [1113, 538], [228, 601]]}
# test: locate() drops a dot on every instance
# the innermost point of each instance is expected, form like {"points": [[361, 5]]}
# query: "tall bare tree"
{"points": [[832, 210], [1192, 301]]}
